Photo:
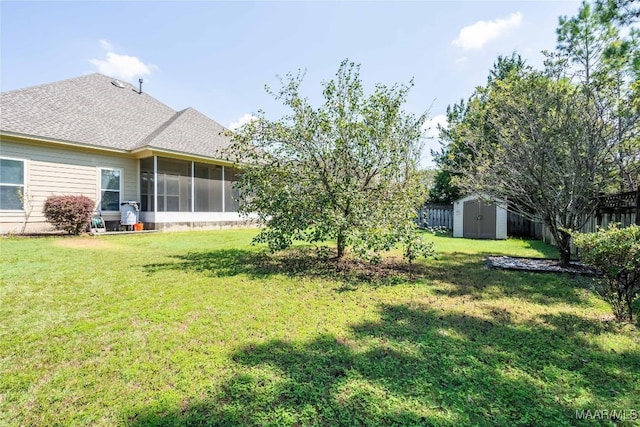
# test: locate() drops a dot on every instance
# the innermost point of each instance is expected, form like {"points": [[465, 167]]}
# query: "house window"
{"points": [[231, 195], [208, 188], [174, 185], [11, 184], [168, 192], [146, 191], [110, 189]]}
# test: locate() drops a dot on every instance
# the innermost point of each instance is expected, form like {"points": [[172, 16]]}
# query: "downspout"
{"points": [[138, 182]]}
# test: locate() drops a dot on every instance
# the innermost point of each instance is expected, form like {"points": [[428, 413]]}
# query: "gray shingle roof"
{"points": [[91, 110], [189, 131]]}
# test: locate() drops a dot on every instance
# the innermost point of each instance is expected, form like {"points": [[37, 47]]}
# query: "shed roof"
{"points": [[474, 196]]}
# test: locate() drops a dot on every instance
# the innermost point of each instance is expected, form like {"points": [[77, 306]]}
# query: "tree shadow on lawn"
{"points": [[294, 263], [465, 275], [469, 276], [418, 366]]}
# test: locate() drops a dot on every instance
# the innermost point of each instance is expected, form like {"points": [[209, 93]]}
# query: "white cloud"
{"points": [[246, 118], [461, 60], [430, 126], [106, 45], [122, 67], [477, 35]]}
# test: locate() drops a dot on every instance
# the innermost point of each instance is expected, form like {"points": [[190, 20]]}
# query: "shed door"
{"points": [[487, 221], [479, 220], [470, 210]]}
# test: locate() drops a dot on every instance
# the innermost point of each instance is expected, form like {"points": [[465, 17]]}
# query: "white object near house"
{"points": [[128, 212], [476, 218]]}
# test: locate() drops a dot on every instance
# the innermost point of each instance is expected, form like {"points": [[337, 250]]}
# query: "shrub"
{"points": [[69, 213], [615, 253]]}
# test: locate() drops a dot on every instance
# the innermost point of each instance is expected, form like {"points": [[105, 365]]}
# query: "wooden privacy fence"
{"points": [[519, 226], [622, 208], [432, 215]]}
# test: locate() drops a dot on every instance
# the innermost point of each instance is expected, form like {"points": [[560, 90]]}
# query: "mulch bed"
{"points": [[538, 265]]}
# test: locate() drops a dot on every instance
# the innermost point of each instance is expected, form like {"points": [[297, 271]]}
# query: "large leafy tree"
{"points": [[345, 170], [540, 157], [622, 11], [606, 66], [454, 153], [550, 141], [444, 189]]}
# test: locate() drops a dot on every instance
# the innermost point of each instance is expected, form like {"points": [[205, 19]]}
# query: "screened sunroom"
{"points": [[177, 192]]}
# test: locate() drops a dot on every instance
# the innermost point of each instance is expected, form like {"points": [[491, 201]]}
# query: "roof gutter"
{"points": [[154, 151], [20, 137], [137, 153]]}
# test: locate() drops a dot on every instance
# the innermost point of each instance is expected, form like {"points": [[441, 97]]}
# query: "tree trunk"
{"points": [[341, 244], [563, 242], [564, 247], [565, 257]]}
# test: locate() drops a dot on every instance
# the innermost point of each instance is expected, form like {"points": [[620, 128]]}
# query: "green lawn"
{"points": [[200, 328]]}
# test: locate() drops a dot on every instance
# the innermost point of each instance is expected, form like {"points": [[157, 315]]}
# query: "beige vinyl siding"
{"points": [[52, 170]]}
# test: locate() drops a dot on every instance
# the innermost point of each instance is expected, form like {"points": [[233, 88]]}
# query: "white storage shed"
{"points": [[475, 217]]}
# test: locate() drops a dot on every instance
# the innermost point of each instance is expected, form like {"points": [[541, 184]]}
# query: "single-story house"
{"points": [[478, 217], [108, 140]]}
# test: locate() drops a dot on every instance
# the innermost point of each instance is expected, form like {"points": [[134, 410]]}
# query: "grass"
{"points": [[200, 328]]}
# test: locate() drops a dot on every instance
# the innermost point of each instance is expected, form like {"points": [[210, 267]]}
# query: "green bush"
{"points": [[69, 213], [615, 253]]}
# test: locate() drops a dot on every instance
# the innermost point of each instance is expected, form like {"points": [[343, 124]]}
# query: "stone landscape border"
{"points": [[537, 265]]}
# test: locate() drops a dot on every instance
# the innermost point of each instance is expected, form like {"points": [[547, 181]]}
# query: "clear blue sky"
{"points": [[217, 56]]}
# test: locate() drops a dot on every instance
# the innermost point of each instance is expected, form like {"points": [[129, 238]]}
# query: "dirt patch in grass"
{"points": [[307, 262], [84, 243], [296, 262]]}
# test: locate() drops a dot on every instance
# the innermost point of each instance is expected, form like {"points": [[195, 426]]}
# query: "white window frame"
{"points": [[148, 191], [24, 182], [164, 195], [100, 169]]}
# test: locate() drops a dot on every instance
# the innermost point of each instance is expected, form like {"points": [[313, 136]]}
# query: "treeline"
{"points": [[551, 140]]}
